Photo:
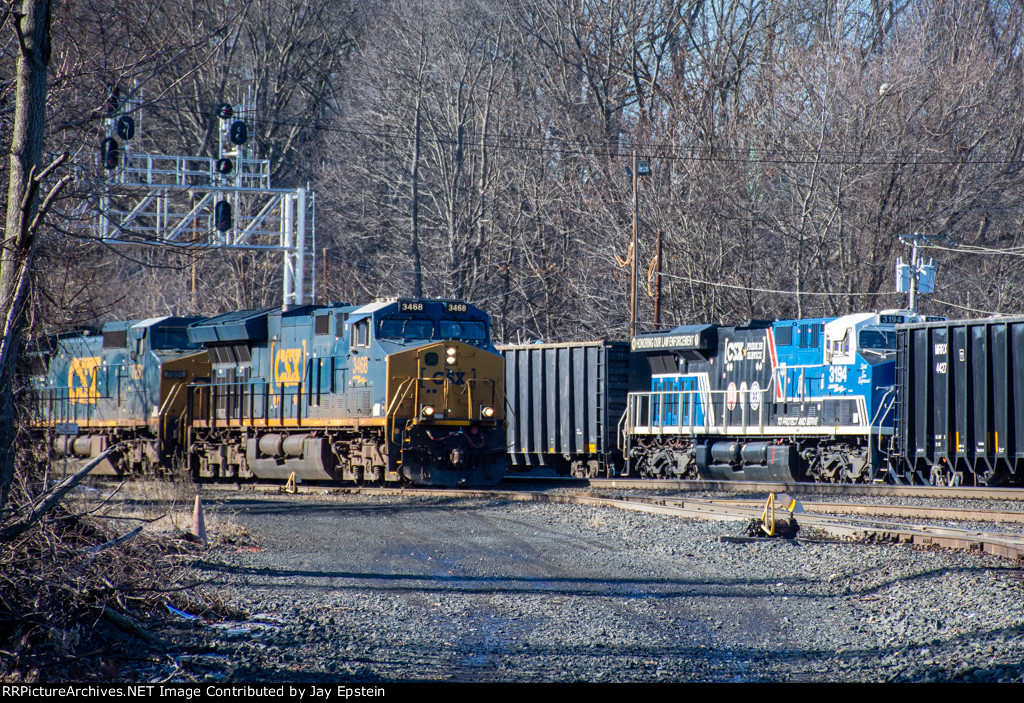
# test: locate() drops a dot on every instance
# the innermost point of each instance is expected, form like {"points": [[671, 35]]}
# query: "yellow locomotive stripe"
{"points": [[291, 422], [94, 423]]}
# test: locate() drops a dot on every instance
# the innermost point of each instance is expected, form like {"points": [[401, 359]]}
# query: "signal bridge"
{"points": [[200, 202]]}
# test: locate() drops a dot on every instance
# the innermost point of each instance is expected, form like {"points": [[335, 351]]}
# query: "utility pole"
{"points": [[632, 295], [640, 168], [657, 283], [918, 277]]}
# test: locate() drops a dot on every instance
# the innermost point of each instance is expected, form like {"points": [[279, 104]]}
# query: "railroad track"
{"points": [[830, 520], [796, 489]]}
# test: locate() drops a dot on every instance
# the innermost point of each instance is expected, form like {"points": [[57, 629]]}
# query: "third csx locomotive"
{"points": [[809, 399]]}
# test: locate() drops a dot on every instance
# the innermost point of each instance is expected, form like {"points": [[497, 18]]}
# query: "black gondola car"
{"points": [[960, 402], [565, 402]]}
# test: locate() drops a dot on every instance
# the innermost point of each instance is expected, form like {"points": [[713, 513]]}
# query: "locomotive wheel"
{"points": [[661, 465]]}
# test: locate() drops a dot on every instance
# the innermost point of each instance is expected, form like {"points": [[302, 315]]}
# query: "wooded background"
{"points": [[481, 150]]}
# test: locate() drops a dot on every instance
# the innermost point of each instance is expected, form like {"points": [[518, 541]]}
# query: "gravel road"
{"points": [[388, 589]]}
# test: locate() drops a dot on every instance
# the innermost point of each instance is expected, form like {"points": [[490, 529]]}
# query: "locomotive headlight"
{"points": [[487, 411], [427, 410], [450, 351]]}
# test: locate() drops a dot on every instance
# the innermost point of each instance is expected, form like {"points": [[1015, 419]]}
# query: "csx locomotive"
{"points": [[401, 390], [810, 399], [123, 384]]}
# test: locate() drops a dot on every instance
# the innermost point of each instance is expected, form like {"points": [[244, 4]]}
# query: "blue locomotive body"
{"points": [[124, 385], [809, 399], [396, 390]]}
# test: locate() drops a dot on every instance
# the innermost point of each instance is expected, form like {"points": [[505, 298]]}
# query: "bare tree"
{"points": [[26, 209]]}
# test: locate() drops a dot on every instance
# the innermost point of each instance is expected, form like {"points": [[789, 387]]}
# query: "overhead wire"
{"points": [[661, 150]]}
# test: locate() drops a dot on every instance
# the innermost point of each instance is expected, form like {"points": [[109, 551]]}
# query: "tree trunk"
{"points": [[32, 26]]}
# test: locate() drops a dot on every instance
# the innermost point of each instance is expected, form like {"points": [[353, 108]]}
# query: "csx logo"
{"points": [[456, 378], [744, 351], [288, 366], [734, 351], [82, 379]]}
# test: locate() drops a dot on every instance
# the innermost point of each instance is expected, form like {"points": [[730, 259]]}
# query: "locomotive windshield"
{"points": [[877, 339], [463, 329], [171, 338], [405, 328]]}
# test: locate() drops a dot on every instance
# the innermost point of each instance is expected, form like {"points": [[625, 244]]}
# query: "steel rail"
{"points": [[927, 512], [842, 528], [856, 489]]}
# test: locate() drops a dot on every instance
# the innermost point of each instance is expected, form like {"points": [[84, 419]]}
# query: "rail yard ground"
{"points": [[357, 588]]}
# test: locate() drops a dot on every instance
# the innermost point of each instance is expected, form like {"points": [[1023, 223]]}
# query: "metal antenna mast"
{"points": [[198, 202]]}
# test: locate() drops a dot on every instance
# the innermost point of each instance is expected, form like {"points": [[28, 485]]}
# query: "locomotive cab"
{"points": [[865, 337]]}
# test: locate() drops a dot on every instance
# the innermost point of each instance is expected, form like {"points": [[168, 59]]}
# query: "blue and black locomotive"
{"points": [[402, 390], [891, 396], [810, 399]]}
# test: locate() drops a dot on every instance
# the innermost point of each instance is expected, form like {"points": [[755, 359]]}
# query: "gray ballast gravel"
{"points": [[372, 589]]}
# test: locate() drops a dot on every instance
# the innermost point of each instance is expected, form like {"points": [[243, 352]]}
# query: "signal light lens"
{"points": [[109, 153], [222, 216], [125, 127]]}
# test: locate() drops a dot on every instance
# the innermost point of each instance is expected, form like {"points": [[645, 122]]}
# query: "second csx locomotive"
{"points": [[123, 385]]}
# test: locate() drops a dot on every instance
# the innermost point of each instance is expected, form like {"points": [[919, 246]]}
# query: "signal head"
{"points": [[239, 132]]}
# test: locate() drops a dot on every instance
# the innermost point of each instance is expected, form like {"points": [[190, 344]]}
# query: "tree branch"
{"points": [[49, 500]]}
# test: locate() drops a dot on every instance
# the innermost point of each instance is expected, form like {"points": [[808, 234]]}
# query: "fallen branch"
{"points": [[114, 542], [50, 499], [130, 626]]}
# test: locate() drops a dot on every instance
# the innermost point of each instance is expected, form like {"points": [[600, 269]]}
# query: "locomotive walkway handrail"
{"points": [[651, 412], [390, 414]]}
